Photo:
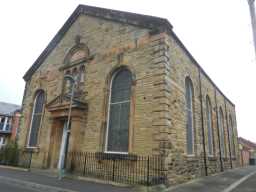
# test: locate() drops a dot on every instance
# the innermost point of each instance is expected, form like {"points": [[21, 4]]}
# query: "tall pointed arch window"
{"points": [[209, 125], [119, 111], [222, 134], [36, 118], [190, 116], [232, 137]]}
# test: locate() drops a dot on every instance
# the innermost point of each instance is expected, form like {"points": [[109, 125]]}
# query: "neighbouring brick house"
{"points": [[9, 122], [247, 152], [139, 91]]}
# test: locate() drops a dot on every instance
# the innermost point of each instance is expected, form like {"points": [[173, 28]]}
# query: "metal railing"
{"points": [[130, 169], [15, 157]]}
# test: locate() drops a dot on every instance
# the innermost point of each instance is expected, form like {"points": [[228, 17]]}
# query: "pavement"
{"points": [[15, 180], [235, 180]]}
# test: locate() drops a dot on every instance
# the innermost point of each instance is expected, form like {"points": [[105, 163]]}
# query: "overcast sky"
{"points": [[216, 32]]}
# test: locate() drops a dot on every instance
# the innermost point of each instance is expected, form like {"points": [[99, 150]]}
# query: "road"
{"points": [[248, 185], [236, 180], [4, 187]]}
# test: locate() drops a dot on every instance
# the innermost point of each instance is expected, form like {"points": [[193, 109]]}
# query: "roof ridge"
{"points": [[3, 102]]}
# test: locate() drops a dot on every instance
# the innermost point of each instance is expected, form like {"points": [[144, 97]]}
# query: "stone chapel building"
{"points": [[138, 91]]}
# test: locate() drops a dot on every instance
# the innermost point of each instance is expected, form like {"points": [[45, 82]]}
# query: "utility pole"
{"points": [[253, 20]]}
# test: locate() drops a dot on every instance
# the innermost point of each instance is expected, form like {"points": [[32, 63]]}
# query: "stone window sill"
{"points": [[212, 158], [32, 149], [190, 157], [225, 158], [115, 156]]}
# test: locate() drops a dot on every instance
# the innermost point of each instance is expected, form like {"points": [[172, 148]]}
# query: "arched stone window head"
{"points": [[36, 118], [117, 134], [189, 92], [75, 62], [77, 54]]}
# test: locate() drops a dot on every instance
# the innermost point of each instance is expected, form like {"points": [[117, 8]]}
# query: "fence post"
{"points": [[148, 171], [30, 160], [85, 161], [113, 170]]}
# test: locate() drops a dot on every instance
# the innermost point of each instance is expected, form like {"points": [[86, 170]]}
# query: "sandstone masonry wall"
{"points": [[158, 117], [182, 166]]}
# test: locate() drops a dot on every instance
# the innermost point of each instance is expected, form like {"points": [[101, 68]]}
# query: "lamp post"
{"points": [[66, 139], [253, 20]]}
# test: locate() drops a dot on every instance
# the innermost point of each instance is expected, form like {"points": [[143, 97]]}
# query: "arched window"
{"points": [[119, 112], [209, 125], [36, 118], [190, 118], [75, 74], [222, 134], [81, 74], [67, 84], [232, 137]]}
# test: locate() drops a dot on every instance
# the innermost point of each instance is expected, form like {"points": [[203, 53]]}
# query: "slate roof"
{"points": [[247, 142], [155, 24], [8, 108]]}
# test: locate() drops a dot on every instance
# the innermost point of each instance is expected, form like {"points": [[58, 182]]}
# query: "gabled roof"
{"points": [[144, 21], [8, 108], [156, 24], [246, 142]]}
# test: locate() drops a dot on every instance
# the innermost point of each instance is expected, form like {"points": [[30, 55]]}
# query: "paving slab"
{"points": [[215, 183]]}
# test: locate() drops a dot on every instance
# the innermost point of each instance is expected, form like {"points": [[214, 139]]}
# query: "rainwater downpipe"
{"points": [[218, 131], [229, 144], [202, 123]]}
